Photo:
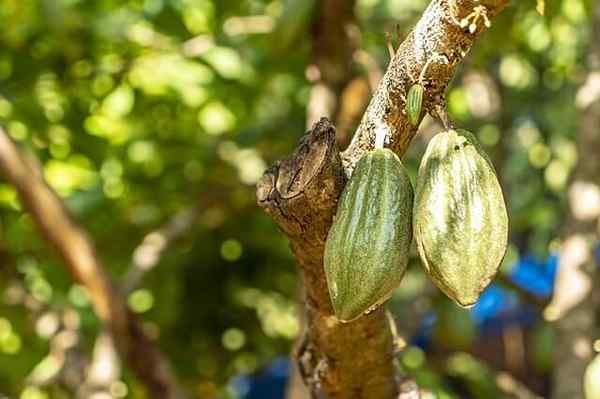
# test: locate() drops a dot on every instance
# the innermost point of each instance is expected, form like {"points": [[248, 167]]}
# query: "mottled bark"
{"points": [[437, 42], [355, 360]]}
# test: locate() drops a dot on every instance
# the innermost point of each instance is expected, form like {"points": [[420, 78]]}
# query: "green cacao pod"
{"points": [[460, 219], [366, 252], [414, 103]]}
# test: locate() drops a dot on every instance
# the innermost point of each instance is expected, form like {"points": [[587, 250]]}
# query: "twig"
{"points": [[79, 254], [148, 254], [332, 48], [511, 386]]}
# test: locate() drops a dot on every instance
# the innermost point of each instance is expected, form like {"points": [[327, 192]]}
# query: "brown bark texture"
{"points": [[74, 246], [355, 360]]}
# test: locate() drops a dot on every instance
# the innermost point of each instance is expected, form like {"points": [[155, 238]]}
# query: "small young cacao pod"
{"points": [[366, 252], [460, 219], [414, 103]]}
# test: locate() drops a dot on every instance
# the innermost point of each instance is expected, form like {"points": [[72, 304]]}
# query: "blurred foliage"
{"points": [[139, 109]]}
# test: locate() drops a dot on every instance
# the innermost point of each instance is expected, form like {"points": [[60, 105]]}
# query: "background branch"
{"points": [[79, 254], [513, 387], [149, 252], [575, 300], [331, 54]]}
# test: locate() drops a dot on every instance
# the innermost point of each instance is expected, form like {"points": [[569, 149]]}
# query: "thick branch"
{"points": [[330, 71], [79, 254], [301, 195], [355, 360], [437, 39]]}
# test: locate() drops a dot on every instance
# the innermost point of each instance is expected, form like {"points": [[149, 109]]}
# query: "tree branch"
{"points": [[79, 254], [332, 50], [355, 360], [437, 39], [147, 255]]}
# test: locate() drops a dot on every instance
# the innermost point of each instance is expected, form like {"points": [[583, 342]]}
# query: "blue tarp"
{"points": [[496, 309]]}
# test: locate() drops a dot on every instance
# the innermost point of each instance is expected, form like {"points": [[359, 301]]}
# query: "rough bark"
{"points": [[437, 39], [74, 246], [355, 360]]}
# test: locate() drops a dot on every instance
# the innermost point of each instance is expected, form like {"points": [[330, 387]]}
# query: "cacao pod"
{"points": [[414, 103], [460, 219], [367, 247]]}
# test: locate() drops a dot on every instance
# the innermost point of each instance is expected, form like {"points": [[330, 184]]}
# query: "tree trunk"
{"points": [[576, 297], [355, 360]]}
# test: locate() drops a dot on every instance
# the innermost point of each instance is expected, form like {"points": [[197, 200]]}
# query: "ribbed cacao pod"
{"points": [[414, 103], [366, 253], [460, 219]]}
